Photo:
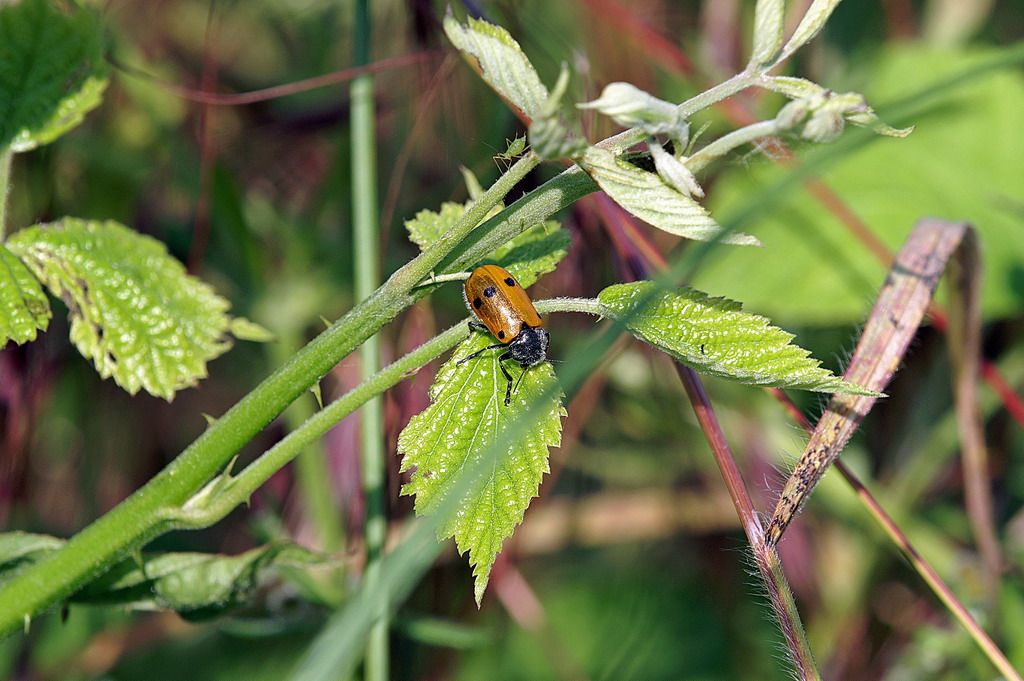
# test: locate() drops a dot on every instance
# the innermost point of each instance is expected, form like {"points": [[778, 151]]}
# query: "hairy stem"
{"points": [[311, 472], [727, 143], [217, 500], [765, 557]]}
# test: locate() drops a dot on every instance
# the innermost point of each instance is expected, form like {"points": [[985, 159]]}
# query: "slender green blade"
{"points": [[535, 252]]}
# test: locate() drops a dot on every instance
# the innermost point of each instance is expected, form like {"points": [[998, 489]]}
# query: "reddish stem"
{"points": [[277, 91]]}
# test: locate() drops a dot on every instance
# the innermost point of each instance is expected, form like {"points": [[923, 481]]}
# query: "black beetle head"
{"points": [[530, 347]]}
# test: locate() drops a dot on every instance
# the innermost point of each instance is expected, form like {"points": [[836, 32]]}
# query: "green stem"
{"points": [[311, 471], [367, 277], [727, 143], [6, 157], [146, 513], [724, 90], [586, 305], [443, 278]]}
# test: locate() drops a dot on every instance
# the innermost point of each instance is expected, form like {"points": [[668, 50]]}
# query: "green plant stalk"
{"points": [[6, 158], [311, 470], [148, 511], [727, 143], [372, 464]]}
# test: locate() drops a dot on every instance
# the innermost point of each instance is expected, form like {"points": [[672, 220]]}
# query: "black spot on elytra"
{"points": [[510, 281], [490, 291], [501, 335], [477, 303]]}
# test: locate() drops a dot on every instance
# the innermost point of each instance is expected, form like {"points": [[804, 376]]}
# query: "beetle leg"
{"points": [[479, 352], [525, 369], [508, 376], [474, 325]]}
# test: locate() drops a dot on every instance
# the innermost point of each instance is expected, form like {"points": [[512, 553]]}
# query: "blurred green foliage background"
{"points": [[631, 565]]}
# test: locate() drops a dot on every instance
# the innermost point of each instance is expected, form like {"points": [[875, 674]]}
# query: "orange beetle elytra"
{"points": [[504, 309]]}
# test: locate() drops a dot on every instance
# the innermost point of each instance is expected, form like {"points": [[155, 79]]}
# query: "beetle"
{"points": [[503, 308]]}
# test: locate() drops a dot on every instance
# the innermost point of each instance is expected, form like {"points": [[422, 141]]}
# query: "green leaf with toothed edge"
{"points": [[428, 226], [24, 309], [467, 413], [535, 252], [503, 64], [714, 336], [134, 311], [52, 71], [649, 198]]}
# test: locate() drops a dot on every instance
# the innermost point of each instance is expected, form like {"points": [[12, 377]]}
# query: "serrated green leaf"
{"points": [[467, 413], [533, 253], [52, 71], [24, 309], [134, 311], [428, 226], [646, 196], [715, 337], [503, 65]]}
